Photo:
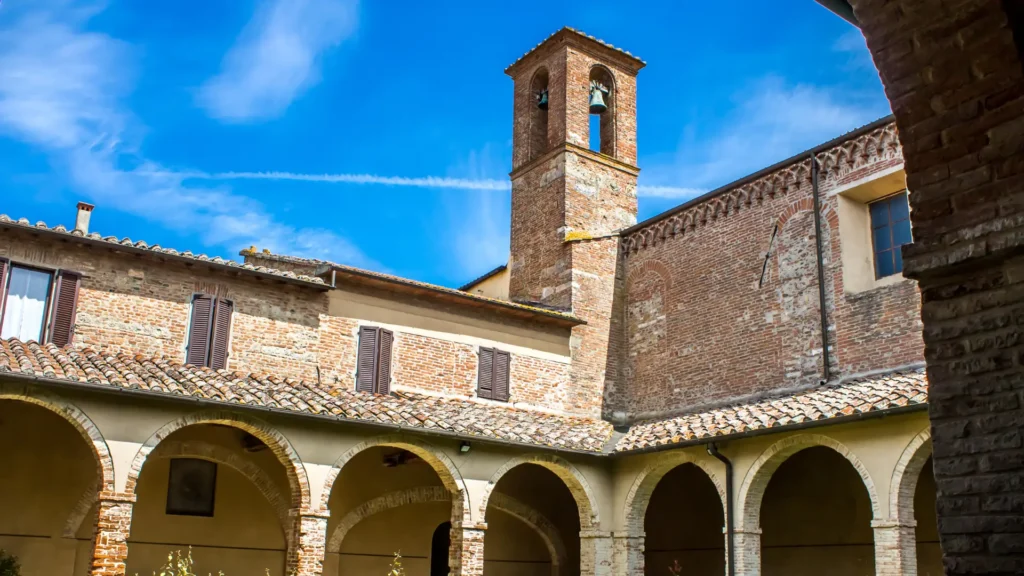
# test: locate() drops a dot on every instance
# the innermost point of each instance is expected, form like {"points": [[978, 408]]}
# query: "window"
{"points": [[492, 376], [25, 302], [191, 487], [373, 367], [209, 331], [890, 229]]}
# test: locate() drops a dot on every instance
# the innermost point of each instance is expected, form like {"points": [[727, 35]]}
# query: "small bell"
{"points": [[597, 94], [542, 99]]}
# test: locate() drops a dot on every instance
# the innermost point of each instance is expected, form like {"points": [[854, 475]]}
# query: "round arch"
{"points": [[574, 480], [74, 416], [278, 444], [905, 476], [748, 505], [640, 492]]}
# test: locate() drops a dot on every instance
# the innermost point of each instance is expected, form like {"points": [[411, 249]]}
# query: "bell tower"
{"points": [[572, 191]]}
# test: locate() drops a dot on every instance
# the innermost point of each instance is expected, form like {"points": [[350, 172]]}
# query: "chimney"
{"points": [[82, 219]]}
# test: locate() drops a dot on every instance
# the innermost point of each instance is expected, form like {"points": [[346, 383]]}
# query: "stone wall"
{"points": [[721, 299]]}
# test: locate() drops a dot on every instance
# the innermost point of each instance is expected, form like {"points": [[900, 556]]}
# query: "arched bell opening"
{"points": [[601, 105], [683, 525], [539, 113]]}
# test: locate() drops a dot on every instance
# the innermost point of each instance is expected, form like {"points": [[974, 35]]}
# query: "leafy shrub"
{"points": [[9, 565], [396, 566]]}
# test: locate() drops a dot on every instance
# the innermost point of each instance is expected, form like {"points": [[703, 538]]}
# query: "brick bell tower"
{"points": [[569, 201]]}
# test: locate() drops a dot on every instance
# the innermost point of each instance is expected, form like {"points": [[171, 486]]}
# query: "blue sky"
{"points": [[378, 134]]}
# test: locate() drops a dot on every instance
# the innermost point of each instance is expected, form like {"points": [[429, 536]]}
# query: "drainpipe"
{"points": [[730, 545], [826, 368]]}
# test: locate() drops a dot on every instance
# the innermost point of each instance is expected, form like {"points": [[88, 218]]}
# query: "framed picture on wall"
{"points": [[191, 487]]}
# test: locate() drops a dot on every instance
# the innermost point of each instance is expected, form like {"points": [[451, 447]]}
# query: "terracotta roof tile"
{"points": [[584, 35], [860, 396], [156, 249], [464, 417]]}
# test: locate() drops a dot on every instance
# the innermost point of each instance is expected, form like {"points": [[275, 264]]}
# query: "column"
{"points": [[628, 554], [113, 524], [895, 548], [307, 543], [595, 553], [748, 552], [466, 551]]}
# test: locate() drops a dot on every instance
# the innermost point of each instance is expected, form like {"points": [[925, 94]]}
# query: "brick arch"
{"points": [[204, 451], [446, 470], [299, 499], [539, 523], [640, 492], [582, 493], [905, 476], [760, 474], [74, 416]]}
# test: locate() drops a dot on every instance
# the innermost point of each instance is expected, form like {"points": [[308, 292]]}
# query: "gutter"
{"points": [[164, 396], [730, 523], [826, 368]]}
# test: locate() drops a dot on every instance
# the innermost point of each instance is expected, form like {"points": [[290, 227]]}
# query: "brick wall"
{"points": [[708, 319], [954, 74]]}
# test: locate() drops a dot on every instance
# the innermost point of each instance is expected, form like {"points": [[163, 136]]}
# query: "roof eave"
{"points": [[841, 8]]}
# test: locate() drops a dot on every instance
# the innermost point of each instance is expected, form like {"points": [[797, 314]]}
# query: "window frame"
{"points": [[491, 395], [170, 510], [871, 228], [375, 374], [51, 286], [208, 357]]}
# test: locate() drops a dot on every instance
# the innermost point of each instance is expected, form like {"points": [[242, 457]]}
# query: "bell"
{"points": [[597, 92], [542, 99]]}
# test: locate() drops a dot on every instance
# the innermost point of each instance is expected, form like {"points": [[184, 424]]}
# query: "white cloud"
{"points": [[771, 121], [61, 89], [414, 182], [276, 58]]}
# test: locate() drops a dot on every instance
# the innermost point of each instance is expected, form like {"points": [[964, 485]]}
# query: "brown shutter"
{"points": [[3, 285], [198, 353], [221, 334], [485, 373], [65, 300], [384, 361], [501, 374], [366, 363]]}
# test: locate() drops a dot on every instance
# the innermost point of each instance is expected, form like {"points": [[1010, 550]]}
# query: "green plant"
{"points": [[396, 568], [675, 569], [178, 564], [9, 564]]}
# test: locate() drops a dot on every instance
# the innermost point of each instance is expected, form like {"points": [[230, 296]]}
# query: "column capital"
{"points": [[890, 523], [595, 534], [300, 513], [108, 496]]}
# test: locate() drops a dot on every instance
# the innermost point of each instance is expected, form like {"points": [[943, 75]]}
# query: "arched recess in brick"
{"points": [[204, 451], [299, 498], [905, 476], [446, 470], [748, 504], [86, 427], [569, 474], [640, 492]]}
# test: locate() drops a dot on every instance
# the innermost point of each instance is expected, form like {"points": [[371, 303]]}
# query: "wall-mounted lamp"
{"points": [[464, 447]]}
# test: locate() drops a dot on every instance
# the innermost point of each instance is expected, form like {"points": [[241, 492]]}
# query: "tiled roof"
{"points": [[578, 33], [155, 249], [875, 394], [119, 370]]}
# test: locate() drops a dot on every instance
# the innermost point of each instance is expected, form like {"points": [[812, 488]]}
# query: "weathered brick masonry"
{"points": [[721, 296]]}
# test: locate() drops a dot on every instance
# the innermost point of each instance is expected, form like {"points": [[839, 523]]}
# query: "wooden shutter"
{"points": [[485, 373], [501, 375], [366, 363], [199, 331], [65, 300], [385, 339], [3, 284], [221, 334]]}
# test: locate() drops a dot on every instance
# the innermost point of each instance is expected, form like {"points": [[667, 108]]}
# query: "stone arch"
{"points": [[205, 451], [278, 444], [640, 492], [539, 523], [450, 475], [905, 476], [574, 480], [74, 416], [748, 504]]}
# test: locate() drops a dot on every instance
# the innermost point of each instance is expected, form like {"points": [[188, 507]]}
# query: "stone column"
{"points": [[596, 553], [307, 543], [895, 548], [466, 551], [113, 524], [748, 552], [628, 554]]}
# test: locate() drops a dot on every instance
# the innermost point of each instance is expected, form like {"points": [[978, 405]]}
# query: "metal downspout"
{"points": [[826, 368], [730, 544]]}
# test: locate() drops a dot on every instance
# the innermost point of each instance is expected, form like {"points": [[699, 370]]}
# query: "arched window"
{"points": [[539, 113], [439, 545], [602, 111]]}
